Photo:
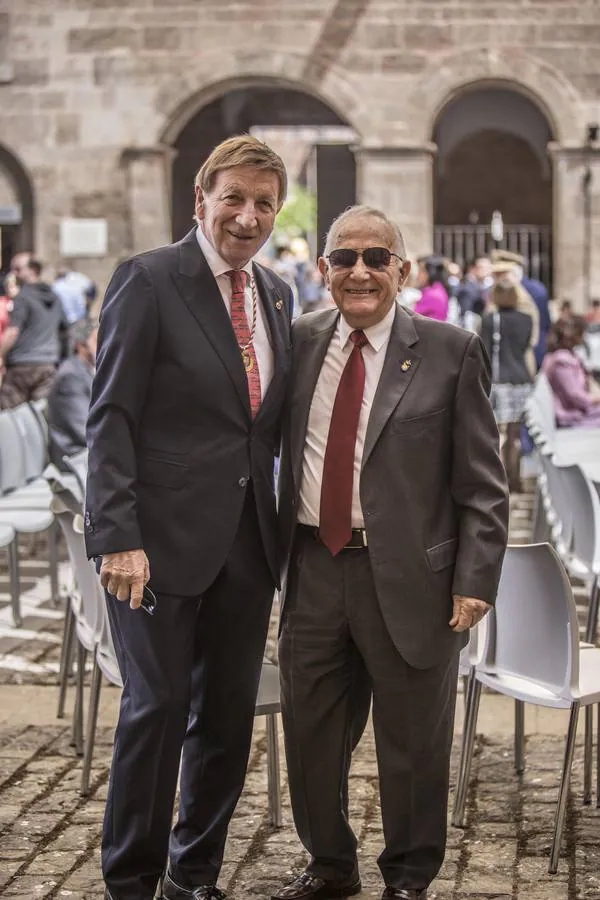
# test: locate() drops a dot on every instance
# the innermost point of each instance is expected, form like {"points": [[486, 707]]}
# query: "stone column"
{"points": [[399, 180], [149, 187], [571, 224]]}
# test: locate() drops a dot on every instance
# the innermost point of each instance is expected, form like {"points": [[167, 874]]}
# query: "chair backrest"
{"points": [[33, 441], [534, 631], [89, 614], [540, 412], [105, 651], [585, 510], [472, 654], [12, 473], [558, 498], [78, 464], [66, 486]]}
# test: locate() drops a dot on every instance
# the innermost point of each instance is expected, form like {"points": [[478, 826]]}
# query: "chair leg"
{"points": [[598, 759], [53, 535], [592, 623], [91, 726], [274, 778], [561, 808], [15, 581], [588, 754], [519, 737], [78, 709], [66, 658], [466, 753]]}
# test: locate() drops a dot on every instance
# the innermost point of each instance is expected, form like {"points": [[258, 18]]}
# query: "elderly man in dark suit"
{"points": [[184, 423], [394, 503], [69, 397]]}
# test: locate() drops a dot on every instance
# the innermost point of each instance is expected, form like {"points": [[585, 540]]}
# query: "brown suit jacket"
{"points": [[433, 488]]}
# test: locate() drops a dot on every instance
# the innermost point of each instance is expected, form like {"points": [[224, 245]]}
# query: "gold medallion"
{"points": [[247, 360]]}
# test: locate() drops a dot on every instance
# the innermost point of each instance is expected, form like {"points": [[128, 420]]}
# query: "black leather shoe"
{"points": [[392, 893], [310, 887], [173, 891]]}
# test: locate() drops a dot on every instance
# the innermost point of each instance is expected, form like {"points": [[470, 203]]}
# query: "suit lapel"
{"points": [[200, 292], [401, 363], [308, 361], [274, 309]]}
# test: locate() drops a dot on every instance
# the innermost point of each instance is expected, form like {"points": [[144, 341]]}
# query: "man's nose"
{"points": [[360, 272], [246, 217]]}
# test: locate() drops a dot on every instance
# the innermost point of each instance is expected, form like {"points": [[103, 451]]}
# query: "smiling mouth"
{"points": [[242, 237], [361, 292]]}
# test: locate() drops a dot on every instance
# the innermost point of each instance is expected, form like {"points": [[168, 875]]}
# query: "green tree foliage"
{"points": [[298, 216]]}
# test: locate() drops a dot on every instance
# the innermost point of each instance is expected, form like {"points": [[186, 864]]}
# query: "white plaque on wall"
{"points": [[83, 237]]}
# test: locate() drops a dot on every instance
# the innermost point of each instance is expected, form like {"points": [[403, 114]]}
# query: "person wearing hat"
{"points": [[538, 293], [507, 271], [506, 334]]}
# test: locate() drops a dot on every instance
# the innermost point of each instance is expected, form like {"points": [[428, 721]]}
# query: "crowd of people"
{"points": [[48, 348]]}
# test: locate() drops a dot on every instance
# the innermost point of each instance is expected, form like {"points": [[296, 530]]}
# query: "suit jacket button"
{"points": [[243, 482]]}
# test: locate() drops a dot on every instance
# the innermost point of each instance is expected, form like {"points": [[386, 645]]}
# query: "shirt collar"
{"points": [[216, 263], [377, 335]]}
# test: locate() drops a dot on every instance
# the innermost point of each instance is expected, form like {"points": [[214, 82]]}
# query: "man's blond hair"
{"points": [[241, 150]]}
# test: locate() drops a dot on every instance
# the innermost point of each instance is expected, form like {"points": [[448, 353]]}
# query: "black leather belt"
{"points": [[358, 541]]}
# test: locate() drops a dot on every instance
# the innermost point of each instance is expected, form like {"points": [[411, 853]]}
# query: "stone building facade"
{"points": [[106, 106]]}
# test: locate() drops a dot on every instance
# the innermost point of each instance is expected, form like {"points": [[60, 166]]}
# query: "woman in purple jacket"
{"points": [[431, 279], [574, 404]]}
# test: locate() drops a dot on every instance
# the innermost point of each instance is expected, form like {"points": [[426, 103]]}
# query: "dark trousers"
{"points": [[334, 648], [190, 676]]}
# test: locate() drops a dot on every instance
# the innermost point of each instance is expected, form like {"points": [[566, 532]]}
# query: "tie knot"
{"points": [[238, 280], [359, 338]]}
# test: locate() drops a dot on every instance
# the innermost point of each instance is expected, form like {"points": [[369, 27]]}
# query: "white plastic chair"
{"points": [[85, 621], [532, 654], [267, 704]]}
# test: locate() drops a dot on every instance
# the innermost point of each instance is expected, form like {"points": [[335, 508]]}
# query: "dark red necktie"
{"points": [[335, 520], [239, 320]]}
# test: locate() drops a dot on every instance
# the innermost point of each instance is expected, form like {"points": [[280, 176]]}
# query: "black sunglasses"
{"points": [[373, 258]]}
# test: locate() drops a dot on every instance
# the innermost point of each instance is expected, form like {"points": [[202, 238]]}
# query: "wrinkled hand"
{"points": [[468, 611], [125, 574]]}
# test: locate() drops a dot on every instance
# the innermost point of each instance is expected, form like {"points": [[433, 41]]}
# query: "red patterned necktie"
{"points": [[335, 520], [239, 320]]}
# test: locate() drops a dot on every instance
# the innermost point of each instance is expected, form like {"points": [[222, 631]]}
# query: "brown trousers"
{"points": [[23, 383]]}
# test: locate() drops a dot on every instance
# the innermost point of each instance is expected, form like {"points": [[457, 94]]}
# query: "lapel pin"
{"points": [[406, 365], [279, 304]]}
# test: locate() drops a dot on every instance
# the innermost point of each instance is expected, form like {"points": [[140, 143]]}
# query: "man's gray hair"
{"points": [[354, 212], [80, 331]]}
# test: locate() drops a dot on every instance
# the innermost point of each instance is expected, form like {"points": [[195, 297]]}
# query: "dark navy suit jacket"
{"points": [[173, 447]]}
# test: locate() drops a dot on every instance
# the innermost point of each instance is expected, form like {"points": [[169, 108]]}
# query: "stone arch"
{"points": [[16, 173], [219, 72], [510, 68]]}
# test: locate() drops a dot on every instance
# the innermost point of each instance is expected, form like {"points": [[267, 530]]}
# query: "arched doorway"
{"points": [[492, 157], [16, 208], [311, 137]]}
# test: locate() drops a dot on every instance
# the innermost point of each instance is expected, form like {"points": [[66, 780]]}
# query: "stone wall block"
{"points": [[95, 40], [31, 71], [67, 128], [403, 61], [428, 37], [162, 38]]}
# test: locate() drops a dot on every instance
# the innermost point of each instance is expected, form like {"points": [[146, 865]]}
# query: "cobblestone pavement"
{"points": [[50, 835]]}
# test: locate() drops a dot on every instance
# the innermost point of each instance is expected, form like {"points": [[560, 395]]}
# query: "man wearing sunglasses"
{"points": [[395, 509]]}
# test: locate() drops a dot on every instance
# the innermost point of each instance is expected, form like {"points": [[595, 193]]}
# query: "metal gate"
{"points": [[462, 243]]}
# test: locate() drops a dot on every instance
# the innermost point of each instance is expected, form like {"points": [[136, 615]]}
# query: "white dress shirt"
{"points": [[262, 339], [319, 418]]}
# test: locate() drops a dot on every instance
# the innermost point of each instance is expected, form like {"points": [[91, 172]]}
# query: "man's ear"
{"points": [[324, 269], [199, 204], [405, 271]]}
